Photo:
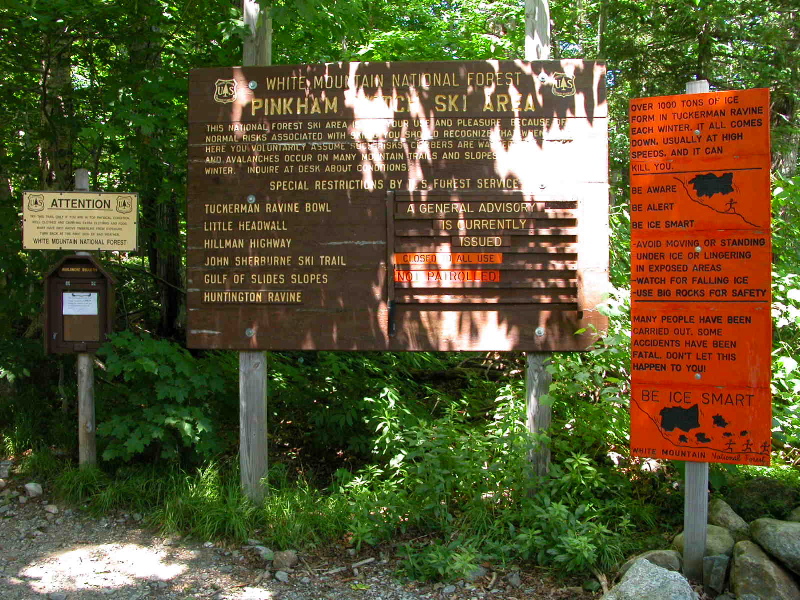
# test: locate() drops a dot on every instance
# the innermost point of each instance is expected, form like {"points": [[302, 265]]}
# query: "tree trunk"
{"points": [[160, 226], [57, 113]]}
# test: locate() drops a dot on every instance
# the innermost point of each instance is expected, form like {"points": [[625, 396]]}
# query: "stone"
{"points": [[305, 580], [514, 580], [285, 559], [646, 580], [715, 572], [753, 572], [721, 514], [33, 489], [264, 552], [718, 541], [23, 499], [781, 539], [282, 576], [475, 574], [57, 596], [2, 483], [51, 508], [666, 559], [794, 516], [450, 589]]}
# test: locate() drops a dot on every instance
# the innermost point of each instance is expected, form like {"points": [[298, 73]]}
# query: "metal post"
{"points": [[253, 453], [695, 508], [87, 442]]}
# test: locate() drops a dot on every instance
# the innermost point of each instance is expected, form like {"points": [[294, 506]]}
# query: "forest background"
{"points": [[427, 450]]}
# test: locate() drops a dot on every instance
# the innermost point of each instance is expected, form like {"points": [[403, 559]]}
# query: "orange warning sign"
{"points": [[447, 258], [444, 276], [700, 277]]}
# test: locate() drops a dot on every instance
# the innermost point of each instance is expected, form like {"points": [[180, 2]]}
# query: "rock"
{"points": [[23, 499], [666, 559], [252, 542], [794, 516], [718, 541], [715, 571], [475, 574], [305, 580], [282, 576], [754, 573], [5, 469], [285, 559], [264, 552], [450, 589], [721, 514], [33, 489], [57, 596], [514, 580], [2, 483], [781, 539], [646, 580], [51, 508]]}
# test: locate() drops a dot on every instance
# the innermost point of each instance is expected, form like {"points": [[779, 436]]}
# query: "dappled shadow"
{"points": [[444, 163], [116, 562]]}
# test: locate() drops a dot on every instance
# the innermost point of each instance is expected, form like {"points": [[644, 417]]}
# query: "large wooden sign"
{"points": [[79, 220], [404, 206], [700, 281]]}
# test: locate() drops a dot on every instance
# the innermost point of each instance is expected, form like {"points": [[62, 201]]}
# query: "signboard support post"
{"points": [[695, 508], [537, 378], [253, 452], [87, 446]]}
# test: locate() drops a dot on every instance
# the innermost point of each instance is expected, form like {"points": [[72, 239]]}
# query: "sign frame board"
{"points": [[700, 277], [85, 221], [352, 206]]}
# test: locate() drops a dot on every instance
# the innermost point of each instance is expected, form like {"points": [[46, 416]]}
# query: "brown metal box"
{"points": [[78, 305]]}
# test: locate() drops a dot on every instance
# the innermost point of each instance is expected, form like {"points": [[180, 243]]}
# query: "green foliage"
{"points": [[158, 399], [757, 497]]}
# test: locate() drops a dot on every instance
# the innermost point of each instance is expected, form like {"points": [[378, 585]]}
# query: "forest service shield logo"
{"points": [[35, 202], [564, 85], [124, 204], [225, 91]]}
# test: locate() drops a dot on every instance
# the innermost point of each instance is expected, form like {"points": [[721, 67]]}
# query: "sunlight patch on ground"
{"points": [[106, 566]]}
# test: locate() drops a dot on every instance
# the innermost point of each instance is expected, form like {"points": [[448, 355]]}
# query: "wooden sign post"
{"points": [[253, 446], [83, 221], [537, 379], [700, 287]]}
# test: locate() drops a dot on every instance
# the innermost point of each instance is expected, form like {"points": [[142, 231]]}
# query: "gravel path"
{"points": [[47, 551]]}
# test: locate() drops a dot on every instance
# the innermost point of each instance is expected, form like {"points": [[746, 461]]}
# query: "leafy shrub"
{"points": [[763, 497], [158, 400]]}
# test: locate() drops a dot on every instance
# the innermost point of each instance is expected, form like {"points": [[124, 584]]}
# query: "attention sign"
{"points": [[79, 221], [700, 282], [398, 206]]}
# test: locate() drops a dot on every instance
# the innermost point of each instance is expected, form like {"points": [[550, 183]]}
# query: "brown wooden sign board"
{"points": [[398, 206], [700, 284]]}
